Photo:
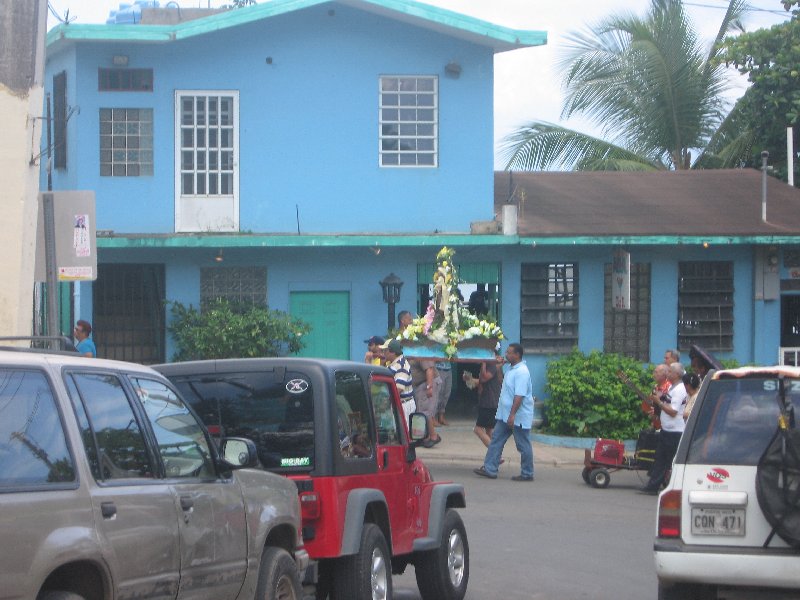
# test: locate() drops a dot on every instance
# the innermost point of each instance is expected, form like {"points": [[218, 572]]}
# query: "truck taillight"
{"points": [[669, 515], [309, 505]]}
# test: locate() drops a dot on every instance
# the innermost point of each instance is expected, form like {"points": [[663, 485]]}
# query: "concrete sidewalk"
{"points": [[460, 445]]}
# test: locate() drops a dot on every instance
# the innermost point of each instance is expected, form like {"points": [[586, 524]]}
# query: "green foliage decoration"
{"points": [[587, 399], [229, 330]]}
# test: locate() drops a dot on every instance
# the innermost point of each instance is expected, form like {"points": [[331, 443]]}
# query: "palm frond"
{"points": [[540, 146]]}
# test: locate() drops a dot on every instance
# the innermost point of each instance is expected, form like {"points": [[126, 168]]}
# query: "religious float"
{"points": [[448, 330]]}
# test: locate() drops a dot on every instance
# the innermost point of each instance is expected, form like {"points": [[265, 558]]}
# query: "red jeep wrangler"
{"points": [[369, 506]]}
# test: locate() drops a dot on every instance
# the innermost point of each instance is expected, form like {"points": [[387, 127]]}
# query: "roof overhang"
{"points": [[499, 38]]}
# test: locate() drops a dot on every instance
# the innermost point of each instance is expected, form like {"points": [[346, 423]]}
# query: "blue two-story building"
{"points": [[299, 151]]}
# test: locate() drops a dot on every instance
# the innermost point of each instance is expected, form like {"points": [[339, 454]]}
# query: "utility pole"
{"points": [[22, 28]]}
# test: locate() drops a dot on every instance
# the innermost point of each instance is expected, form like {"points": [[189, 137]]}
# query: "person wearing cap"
{"points": [[374, 355], [400, 367]]}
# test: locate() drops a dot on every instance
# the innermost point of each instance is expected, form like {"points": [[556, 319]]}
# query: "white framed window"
{"points": [[206, 160], [126, 142], [207, 144], [408, 114]]}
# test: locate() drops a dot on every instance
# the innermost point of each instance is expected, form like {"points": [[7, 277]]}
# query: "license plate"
{"points": [[718, 521]]}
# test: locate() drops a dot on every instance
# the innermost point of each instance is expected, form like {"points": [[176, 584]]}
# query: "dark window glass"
{"points": [[387, 421], [60, 120], [125, 80], [121, 450], [628, 331], [737, 419], [33, 448], [549, 307], [353, 416], [275, 409], [181, 441], [705, 305]]}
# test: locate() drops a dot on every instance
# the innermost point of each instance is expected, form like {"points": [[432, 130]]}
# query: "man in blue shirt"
{"points": [[85, 345], [514, 417]]}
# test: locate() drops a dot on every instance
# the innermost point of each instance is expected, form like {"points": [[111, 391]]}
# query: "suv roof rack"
{"points": [[47, 343]]}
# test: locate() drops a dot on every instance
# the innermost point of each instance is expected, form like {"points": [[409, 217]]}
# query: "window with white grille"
{"points": [[408, 108], [126, 142]]}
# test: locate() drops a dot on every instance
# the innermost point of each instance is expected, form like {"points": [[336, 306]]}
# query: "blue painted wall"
{"points": [[308, 125]]}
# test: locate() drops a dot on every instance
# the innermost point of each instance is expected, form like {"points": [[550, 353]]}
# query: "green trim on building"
{"points": [[130, 241], [478, 31]]}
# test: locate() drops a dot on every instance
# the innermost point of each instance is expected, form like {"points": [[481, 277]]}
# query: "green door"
{"points": [[328, 313]]}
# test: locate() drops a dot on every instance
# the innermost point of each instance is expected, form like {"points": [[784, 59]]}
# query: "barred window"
{"points": [[126, 142], [705, 305], [549, 307], [628, 331], [246, 285], [124, 80], [408, 109]]}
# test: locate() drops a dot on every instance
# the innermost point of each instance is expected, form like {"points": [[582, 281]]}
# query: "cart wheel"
{"points": [[585, 474], [600, 478]]}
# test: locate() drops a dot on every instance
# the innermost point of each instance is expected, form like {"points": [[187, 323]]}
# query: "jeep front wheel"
{"points": [[443, 573], [366, 575], [277, 576]]}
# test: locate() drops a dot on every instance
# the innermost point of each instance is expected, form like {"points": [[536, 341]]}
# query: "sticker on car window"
{"points": [[296, 386], [300, 461]]}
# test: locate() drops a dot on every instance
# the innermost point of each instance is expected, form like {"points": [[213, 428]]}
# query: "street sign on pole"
{"points": [[73, 237]]}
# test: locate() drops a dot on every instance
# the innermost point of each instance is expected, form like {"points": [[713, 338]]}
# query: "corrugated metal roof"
{"points": [[499, 38], [723, 203]]}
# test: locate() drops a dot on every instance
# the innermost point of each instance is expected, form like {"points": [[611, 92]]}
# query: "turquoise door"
{"points": [[328, 313]]}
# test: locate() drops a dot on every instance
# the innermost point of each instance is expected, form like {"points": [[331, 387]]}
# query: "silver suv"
{"points": [[729, 520], [110, 487]]}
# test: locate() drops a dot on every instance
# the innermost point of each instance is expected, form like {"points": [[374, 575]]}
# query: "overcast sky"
{"points": [[527, 86]]}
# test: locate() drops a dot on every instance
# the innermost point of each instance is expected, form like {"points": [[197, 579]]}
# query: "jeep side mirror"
{"points": [[238, 453], [417, 427]]}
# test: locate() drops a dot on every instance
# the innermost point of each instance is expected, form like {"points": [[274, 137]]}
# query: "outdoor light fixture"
{"points": [[452, 69], [376, 250], [390, 285], [120, 60], [219, 257]]}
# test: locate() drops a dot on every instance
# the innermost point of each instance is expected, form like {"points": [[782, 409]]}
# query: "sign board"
{"points": [[621, 280], [75, 239]]}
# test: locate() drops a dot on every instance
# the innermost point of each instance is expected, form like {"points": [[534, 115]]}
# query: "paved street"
{"points": [[556, 538]]}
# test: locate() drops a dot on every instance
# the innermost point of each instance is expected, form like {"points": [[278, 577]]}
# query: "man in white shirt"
{"points": [[672, 405]]}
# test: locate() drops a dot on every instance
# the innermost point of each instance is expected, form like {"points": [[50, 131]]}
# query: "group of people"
{"points": [[505, 400], [671, 401]]}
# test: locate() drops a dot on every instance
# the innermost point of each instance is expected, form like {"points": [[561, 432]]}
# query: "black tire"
{"points": [[443, 573], [600, 477], [277, 576], [585, 474], [366, 575], [59, 595], [686, 591]]}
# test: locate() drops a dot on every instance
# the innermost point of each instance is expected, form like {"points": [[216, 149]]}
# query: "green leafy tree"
{"points": [[588, 399], [771, 60], [653, 89], [226, 330]]}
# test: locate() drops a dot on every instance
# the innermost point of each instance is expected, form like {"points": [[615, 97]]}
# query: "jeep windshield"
{"points": [[738, 417], [273, 408]]}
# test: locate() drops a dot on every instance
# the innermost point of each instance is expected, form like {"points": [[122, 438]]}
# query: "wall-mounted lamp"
{"points": [[390, 285], [705, 244], [219, 257], [376, 250], [452, 69], [120, 60]]}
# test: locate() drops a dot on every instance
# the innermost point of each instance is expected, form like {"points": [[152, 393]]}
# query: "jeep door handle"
{"points": [[187, 503], [108, 510]]}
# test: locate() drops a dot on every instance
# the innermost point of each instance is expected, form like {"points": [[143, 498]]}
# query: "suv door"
{"points": [[134, 510], [212, 525]]}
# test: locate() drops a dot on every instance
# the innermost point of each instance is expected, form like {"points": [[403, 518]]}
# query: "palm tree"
{"points": [[654, 91]]}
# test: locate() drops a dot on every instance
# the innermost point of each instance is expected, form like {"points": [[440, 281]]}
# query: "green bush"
{"points": [[226, 330], [588, 399]]}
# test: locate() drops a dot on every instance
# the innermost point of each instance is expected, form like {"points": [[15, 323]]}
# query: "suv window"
{"points": [[182, 444], [737, 419], [113, 439], [387, 421], [33, 448], [353, 416], [273, 408]]}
